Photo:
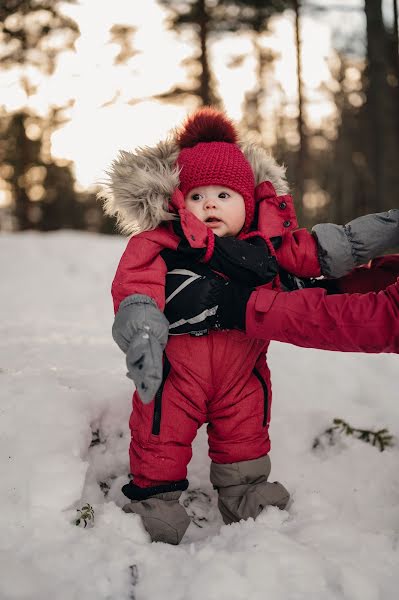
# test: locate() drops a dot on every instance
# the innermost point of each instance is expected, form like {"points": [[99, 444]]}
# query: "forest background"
{"points": [[316, 82]]}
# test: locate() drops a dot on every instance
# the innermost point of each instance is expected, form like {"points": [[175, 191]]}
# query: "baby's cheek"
{"points": [[192, 209]]}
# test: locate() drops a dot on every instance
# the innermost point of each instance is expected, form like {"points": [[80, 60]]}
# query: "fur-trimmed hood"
{"points": [[139, 184]]}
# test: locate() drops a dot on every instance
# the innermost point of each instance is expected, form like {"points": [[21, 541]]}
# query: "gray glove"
{"points": [[343, 247], [141, 331]]}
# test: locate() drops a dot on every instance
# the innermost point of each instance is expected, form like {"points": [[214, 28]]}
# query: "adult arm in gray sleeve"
{"points": [[343, 247], [141, 331]]}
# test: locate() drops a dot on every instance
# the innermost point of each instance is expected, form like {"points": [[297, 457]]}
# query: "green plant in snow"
{"points": [[86, 514], [381, 438]]}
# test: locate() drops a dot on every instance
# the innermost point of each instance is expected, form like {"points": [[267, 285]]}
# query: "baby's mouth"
{"points": [[212, 220]]}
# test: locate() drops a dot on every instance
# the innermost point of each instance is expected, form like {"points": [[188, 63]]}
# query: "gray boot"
{"points": [[163, 517], [244, 491]]}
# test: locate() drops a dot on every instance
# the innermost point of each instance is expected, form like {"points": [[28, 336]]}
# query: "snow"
{"points": [[64, 411]]}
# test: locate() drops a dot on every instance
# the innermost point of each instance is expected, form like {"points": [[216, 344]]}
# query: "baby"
{"points": [[201, 197]]}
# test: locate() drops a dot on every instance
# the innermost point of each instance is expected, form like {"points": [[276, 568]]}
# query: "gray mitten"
{"points": [[141, 331], [343, 247]]}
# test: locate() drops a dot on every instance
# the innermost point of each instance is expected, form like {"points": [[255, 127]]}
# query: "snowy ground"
{"points": [[64, 439]]}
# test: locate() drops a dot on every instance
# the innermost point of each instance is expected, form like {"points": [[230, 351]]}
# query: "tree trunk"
{"points": [[382, 110], [396, 39], [252, 119], [205, 80], [301, 170], [21, 200]]}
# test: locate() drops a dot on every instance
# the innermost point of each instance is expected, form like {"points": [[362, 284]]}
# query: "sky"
{"points": [[64, 438], [113, 108]]}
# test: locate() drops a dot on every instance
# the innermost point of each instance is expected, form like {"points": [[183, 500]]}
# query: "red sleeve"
{"points": [[298, 253], [141, 270], [378, 274], [312, 319]]}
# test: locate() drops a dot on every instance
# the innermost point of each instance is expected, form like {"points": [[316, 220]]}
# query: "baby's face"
{"points": [[219, 207]]}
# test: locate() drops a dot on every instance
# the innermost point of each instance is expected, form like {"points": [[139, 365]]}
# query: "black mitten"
{"points": [[244, 261], [197, 300]]}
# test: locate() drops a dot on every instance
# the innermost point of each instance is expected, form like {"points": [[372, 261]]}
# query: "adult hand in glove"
{"points": [[141, 331], [247, 261]]}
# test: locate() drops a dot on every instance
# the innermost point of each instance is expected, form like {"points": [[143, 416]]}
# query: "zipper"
{"points": [[265, 395], [156, 420]]}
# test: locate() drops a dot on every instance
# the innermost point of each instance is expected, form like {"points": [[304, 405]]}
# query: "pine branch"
{"points": [[381, 438], [86, 515]]}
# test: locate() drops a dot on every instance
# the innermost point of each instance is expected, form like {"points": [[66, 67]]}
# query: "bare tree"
{"points": [[122, 35], [302, 157], [381, 107], [396, 32], [252, 17], [34, 32], [194, 15]]}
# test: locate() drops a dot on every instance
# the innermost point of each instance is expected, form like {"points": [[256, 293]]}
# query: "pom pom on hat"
{"points": [[210, 156], [206, 125]]}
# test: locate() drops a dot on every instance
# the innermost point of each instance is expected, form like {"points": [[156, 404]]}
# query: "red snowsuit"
{"points": [[221, 378]]}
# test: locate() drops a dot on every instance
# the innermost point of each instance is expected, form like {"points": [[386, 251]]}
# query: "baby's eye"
{"points": [[196, 197], [224, 195]]}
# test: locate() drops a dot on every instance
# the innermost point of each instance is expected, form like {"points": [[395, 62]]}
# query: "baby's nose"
{"points": [[210, 202]]}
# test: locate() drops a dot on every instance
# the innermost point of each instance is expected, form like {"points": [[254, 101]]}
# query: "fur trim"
{"points": [[265, 167], [139, 185]]}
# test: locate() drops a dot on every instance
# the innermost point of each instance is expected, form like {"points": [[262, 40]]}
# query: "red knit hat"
{"points": [[210, 156]]}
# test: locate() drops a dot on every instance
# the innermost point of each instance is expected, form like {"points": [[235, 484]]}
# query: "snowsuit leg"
{"points": [[160, 450], [163, 431], [239, 445], [239, 414]]}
